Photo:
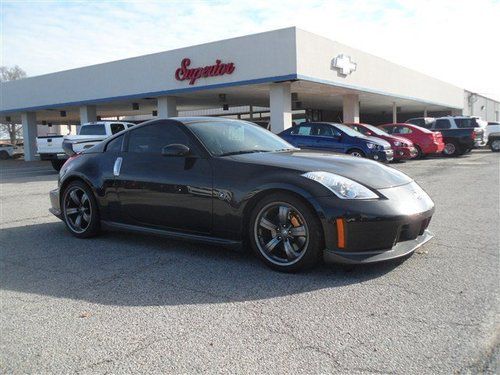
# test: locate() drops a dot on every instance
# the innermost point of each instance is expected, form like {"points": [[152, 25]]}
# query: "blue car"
{"points": [[339, 138]]}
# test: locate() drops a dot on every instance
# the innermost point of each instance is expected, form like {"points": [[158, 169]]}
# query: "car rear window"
{"points": [[116, 128], [466, 123], [302, 130], [93, 130]]}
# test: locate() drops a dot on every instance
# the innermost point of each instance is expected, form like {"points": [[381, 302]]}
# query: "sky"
{"points": [[455, 41]]}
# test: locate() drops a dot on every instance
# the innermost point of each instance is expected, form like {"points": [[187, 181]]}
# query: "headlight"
{"points": [[342, 187], [398, 144], [371, 146]]}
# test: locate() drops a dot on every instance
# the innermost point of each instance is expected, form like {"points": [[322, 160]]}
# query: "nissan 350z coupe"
{"points": [[230, 182]]}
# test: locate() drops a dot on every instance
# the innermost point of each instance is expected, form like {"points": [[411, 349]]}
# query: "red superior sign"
{"points": [[192, 74]]}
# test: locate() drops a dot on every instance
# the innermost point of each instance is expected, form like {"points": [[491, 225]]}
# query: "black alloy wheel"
{"points": [[80, 211], [285, 233]]}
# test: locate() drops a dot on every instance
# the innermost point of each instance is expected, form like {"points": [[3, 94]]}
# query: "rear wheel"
{"points": [[4, 155], [79, 209], [495, 145], [285, 233], [452, 149], [357, 153]]}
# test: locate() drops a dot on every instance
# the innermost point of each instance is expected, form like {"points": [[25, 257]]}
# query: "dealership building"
{"points": [[281, 76]]}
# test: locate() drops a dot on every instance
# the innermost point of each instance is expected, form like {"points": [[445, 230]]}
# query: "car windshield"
{"points": [[232, 137], [348, 130], [375, 130]]}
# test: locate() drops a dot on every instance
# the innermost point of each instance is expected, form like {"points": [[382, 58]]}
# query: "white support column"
{"points": [[167, 107], [394, 113], [88, 113], [28, 120], [280, 104], [350, 108], [425, 112]]}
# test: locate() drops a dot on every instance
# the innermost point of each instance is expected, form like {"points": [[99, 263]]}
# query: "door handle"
{"points": [[117, 166]]}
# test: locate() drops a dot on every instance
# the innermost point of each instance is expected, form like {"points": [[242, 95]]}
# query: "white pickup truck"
{"points": [[51, 147]]}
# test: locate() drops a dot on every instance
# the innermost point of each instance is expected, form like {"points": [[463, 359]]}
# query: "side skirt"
{"points": [[172, 234]]}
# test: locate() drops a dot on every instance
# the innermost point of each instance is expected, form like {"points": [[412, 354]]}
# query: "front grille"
{"points": [[410, 231]]}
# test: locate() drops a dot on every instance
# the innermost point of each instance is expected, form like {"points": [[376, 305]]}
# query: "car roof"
{"points": [[107, 122]]}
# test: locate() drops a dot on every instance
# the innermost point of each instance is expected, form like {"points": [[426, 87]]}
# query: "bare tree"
{"points": [[11, 74]]}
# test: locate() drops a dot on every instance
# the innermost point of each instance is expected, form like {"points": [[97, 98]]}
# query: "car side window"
{"points": [[115, 145], [116, 128], [442, 124], [302, 130], [323, 130], [401, 130], [389, 129], [152, 138]]}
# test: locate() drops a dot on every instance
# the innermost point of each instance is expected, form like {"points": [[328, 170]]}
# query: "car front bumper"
{"points": [[55, 208], [404, 153], [376, 230]]}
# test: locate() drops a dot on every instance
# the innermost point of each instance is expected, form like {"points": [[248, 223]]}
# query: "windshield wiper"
{"points": [[242, 152]]}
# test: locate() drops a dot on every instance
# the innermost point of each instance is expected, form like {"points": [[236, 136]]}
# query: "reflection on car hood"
{"points": [[365, 171]]}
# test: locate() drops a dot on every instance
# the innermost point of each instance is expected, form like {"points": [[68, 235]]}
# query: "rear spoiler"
{"points": [[67, 145]]}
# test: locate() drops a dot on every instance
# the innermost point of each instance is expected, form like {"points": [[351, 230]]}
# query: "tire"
{"points": [[452, 149], [356, 153], [57, 164], [272, 225], [80, 214], [495, 145], [4, 155], [420, 153]]}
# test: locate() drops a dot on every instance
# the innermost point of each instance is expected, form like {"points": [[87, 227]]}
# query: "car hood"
{"points": [[367, 172], [375, 140]]}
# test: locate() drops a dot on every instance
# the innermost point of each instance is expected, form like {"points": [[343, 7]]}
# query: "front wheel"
{"points": [[356, 153], [79, 209], [495, 145], [285, 233], [4, 155]]}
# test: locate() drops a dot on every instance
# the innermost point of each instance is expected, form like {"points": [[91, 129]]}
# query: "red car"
{"points": [[402, 147], [425, 141]]}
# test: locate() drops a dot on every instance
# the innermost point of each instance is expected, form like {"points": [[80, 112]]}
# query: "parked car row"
{"points": [[386, 143], [416, 138]]}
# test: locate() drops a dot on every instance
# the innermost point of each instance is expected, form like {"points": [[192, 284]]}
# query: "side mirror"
{"points": [[175, 150]]}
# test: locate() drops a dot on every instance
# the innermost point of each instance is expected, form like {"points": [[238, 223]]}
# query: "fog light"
{"points": [[375, 157]]}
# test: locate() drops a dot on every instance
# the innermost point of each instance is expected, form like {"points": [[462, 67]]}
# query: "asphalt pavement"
{"points": [[133, 303]]}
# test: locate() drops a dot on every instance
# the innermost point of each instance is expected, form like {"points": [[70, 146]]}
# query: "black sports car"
{"points": [[230, 182]]}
